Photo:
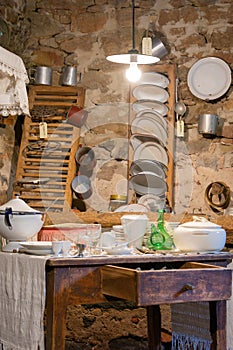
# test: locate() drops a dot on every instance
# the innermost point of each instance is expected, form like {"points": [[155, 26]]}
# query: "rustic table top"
{"points": [[140, 259]]}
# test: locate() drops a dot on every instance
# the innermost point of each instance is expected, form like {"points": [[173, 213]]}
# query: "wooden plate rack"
{"points": [[46, 166], [169, 71]]}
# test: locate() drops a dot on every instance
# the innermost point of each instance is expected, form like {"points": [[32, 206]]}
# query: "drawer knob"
{"points": [[184, 289]]}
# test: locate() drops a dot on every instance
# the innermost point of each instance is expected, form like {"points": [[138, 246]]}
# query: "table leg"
{"points": [[218, 324], [57, 294], [154, 327]]}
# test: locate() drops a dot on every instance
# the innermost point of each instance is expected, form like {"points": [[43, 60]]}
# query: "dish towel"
{"points": [[13, 66], [22, 301], [194, 334]]}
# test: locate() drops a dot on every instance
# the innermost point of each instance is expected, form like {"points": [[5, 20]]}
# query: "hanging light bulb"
{"points": [[133, 73], [133, 58]]}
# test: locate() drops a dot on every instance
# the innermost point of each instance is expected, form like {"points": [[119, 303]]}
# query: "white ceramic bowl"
{"points": [[199, 235]]}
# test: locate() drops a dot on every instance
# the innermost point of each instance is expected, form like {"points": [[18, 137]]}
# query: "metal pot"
{"points": [[69, 76], [41, 75], [207, 124], [18, 221], [199, 235], [86, 161], [158, 48], [81, 185]]}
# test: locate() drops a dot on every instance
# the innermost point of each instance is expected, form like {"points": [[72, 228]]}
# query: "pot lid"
{"points": [[17, 204], [200, 222]]}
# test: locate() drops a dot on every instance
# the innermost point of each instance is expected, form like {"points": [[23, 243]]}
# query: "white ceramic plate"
{"points": [[137, 139], [149, 126], [119, 251], [209, 78], [148, 104], [41, 245], [132, 208], [154, 79], [151, 151], [148, 183], [152, 114], [38, 252], [152, 202], [150, 92], [148, 165]]}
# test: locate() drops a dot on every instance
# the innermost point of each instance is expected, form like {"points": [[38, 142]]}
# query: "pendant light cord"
{"points": [[133, 25]]}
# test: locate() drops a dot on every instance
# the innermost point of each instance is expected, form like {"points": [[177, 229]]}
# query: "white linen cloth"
{"points": [[22, 301], [190, 325], [12, 65]]}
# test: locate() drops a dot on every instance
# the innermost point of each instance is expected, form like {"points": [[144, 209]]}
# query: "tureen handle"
{"points": [[8, 212], [199, 218]]}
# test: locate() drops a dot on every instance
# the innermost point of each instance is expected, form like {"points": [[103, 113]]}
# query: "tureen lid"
{"points": [[200, 222], [17, 204]]}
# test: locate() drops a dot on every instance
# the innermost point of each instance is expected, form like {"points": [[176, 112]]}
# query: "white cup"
{"points": [[134, 228], [56, 247], [66, 245]]}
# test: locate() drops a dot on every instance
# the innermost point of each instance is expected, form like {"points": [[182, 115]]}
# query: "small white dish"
{"points": [[154, 115], [149, 104], [132, 208], [150, 92], [37, 245], [119, 251], [151, 151], [154, 78], [152, 202], [149, 126], [148, 183], [148, 165], [37, 252]]}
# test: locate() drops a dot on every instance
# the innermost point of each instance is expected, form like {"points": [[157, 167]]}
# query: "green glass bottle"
{"points": [[168, 241], [156, 239]]}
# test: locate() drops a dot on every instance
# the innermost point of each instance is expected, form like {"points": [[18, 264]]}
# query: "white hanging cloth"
{"points": [[13, 80]]}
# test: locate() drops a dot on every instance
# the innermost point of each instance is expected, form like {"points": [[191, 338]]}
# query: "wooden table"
{"points": [[152, 280]]}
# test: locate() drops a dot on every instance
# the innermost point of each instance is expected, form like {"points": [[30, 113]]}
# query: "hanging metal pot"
{"points": [[81, 186], [207, 124], [86, 161], [159, 49]]}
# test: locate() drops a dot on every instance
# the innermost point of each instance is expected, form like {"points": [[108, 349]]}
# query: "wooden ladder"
{"points": [[46, 166]]}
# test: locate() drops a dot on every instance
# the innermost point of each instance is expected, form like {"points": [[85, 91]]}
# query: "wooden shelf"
{"points": [[50, 160]]}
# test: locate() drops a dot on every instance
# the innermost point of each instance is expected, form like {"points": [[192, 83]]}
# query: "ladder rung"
{"points": [[39, 160], [38, 175], [44, 168]]}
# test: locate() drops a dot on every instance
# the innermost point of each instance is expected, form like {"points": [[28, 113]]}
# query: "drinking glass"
{"points": [[93, 238]]}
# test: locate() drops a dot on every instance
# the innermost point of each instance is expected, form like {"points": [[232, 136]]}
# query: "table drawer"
{"points": [[192, 282]]}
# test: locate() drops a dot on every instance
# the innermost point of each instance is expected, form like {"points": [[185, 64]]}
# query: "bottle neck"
{"points": [[161, 217]]}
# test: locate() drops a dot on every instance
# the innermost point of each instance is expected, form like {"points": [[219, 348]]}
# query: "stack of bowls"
{"points": [[149, 135]]}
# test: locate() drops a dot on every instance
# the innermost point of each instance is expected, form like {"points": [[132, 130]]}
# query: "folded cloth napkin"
{"points": [[22, 301], [13, 65], [195, 334]]}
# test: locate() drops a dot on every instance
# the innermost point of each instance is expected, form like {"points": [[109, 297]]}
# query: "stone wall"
{"points": [[83, 33]]}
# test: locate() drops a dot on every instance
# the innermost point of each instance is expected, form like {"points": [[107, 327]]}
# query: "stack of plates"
{"points": [[37, 248], [149, 136]]}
